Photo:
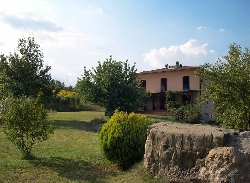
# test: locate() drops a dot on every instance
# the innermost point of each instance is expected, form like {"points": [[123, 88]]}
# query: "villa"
{"points": [[179, 79]]}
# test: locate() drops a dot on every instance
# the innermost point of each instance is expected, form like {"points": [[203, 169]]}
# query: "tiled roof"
{"points": [[170, 69]]}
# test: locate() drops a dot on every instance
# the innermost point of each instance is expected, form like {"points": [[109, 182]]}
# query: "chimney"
{"points": [[177, 64]]}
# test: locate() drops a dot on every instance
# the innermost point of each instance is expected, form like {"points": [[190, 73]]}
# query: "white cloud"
{"points": [[200, 28], [59, 44], [222, 30], [30, 21], [212, 51], [189, 51], [1, 43], [91, 53], [94, 10], [20, 6], [71, 77], [16, 26], [154, 57], [193, 47]]}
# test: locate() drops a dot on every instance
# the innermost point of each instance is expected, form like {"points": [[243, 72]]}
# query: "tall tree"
{"points": [[113, 85], [24, 73], [227, 84]]}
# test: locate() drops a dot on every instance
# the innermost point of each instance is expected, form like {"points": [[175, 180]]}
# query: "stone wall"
{"points": [[197, 153]]}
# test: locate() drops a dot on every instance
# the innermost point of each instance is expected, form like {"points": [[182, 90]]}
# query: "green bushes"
{"points": [[186, 112], [25, 123], [67, 103], [122, 138], [182, 110]]}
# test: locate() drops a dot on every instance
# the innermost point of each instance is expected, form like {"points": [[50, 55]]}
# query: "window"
{"points": [[186, 83], [143, 83], [163, 84]]}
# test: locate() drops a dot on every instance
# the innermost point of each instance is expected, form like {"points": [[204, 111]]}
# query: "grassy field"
{"points": [[71, 154]]}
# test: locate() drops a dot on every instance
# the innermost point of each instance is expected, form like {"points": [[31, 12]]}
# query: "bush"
{"points": [[67, 103], [25, 123], [186, 112], [213, 122], [191, 115], [122, 138]]}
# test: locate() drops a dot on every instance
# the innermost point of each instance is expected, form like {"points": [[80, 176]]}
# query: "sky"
{"points": [[74, 34]]}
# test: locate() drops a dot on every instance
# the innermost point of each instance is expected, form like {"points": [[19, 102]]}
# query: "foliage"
{"points": [[67, 103], [227, 84], [186, 112], [113, 85], [180, 110], [24, 74], [66, 93], [25, 123], [3, 92], [213, 122], [122, 138], [58, 86]]}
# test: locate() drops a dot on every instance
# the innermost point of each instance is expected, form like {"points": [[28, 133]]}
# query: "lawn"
{"points": [[71, 154], [162, 118]]}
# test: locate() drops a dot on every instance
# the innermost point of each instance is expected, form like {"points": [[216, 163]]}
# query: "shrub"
{"points": [[181, 110], [186, 112], [67, 103], [67, 93], [25, 123], [123, 137], [213, 122], [191, 115]]}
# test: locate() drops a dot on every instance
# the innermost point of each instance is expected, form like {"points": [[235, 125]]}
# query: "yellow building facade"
{"points": [[179, 79]]}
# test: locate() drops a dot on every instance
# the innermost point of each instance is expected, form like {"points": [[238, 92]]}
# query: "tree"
{"points": [[24, 74], [227, 84], [58, 86], [25, 123], [113, 85], [3, 92]]}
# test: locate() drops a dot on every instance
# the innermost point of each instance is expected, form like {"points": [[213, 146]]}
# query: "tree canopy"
{"points": [[113, 85], [23, 73], [227, 84]]}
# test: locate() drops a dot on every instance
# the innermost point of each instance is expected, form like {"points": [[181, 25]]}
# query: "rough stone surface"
{"points": [[197, 153]]}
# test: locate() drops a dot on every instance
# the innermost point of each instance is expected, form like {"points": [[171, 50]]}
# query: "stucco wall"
{"points": [[175, 83], [174, 80]]}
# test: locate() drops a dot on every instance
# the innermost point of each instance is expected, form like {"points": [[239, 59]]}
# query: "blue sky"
{"points": [[76, 33]]}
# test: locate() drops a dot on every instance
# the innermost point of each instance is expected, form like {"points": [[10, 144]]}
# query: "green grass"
{"points": [[71, 154], [163, 118]]}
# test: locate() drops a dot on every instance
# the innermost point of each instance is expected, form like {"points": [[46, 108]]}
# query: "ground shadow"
{"points": [[157, 118], [74, 170], [74, 124]]}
